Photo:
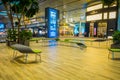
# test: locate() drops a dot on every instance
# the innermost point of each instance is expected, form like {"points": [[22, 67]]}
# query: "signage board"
{"points": [[52, 17]]}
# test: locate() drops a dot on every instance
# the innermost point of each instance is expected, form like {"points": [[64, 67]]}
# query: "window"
{"points": [[113, 5], [94, 17], [112, 15], [105, 6], [105, 16], [99, 6]]}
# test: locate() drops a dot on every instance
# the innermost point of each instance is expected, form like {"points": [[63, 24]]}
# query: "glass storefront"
{"points": [[102, 29], [66, 30]]}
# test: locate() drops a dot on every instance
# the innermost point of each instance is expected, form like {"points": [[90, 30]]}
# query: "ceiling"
{"points": [[62, 5], [69, 8]]}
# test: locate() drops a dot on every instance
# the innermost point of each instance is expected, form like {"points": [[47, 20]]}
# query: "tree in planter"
{"points": [[20, 8], [28, 10], [116, 37], [7, 4], [25, 36], [11, 37], [116, 40]]}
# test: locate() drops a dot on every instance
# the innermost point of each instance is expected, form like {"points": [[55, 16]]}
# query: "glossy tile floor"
{"points": [[60, 63]]}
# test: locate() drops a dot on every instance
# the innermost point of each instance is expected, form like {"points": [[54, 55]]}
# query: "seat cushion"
{"points": [[114, 50], [24, 49], [37, 51]]}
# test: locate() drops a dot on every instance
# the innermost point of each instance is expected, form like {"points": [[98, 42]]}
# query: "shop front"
{"points": [[101, 20], [65, 30]]}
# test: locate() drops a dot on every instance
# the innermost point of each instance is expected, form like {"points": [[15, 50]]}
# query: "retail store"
{"points": [[101, 20]]}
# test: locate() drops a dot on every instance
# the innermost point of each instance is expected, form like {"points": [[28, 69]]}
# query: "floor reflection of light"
{"points": [[52, 53], [52, 42]]}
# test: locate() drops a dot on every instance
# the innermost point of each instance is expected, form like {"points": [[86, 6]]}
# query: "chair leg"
{"points": [[112, 55], [14, 54], [109, 54], [26, 55], [39, 56], [36, 57]]}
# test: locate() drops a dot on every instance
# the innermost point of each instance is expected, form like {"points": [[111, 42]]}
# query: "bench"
{"points": [[112, 51], [81, 45], [25, 50]]}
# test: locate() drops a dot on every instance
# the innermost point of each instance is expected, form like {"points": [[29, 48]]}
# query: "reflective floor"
{"points": [[60, 63]]}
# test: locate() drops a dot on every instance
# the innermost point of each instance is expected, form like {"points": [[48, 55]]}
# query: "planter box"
{"points": [[26, 42], [9, 43], [115, 46]]}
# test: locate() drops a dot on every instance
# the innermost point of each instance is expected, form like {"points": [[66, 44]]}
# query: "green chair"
{"points": [[25, 50]]}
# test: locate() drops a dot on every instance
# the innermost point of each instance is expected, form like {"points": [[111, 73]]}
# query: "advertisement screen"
{"points": [[52, 22], [76, 30], [2, 27]]}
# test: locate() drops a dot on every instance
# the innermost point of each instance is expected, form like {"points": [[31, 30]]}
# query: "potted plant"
{"points": [[25, 36], [116, 40], [57, 39], [11, 37]]}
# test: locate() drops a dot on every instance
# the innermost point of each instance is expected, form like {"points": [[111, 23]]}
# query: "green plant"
{"points": [[20, 9], [108, 2], [11, 35], [57, 39], [116, 37], [25, 35], [66, 40]]}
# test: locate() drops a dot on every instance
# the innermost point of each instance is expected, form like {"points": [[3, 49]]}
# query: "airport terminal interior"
{"points": [[59, 40]]}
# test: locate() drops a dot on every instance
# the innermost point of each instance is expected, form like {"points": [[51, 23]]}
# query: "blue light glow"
{"points": [[2, 27]]}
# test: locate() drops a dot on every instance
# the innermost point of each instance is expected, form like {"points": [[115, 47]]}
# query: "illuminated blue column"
{"points": [[51, 20], [118, 15]]}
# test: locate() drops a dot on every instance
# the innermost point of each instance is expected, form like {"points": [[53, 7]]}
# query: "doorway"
{"points": [[102, 29], [91, 29]]}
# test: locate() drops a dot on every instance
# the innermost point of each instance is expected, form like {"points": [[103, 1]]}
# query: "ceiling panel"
{"points": [[61, 5], [70, 7]]}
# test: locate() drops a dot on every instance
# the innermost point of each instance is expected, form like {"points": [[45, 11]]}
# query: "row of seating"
{"points": [[27, 50]]}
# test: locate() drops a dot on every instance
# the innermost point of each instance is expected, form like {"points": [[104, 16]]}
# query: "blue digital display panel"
{"points": [[2, 27], [76, 29], [52, 22]]}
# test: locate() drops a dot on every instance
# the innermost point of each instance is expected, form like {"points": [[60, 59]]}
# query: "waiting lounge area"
{"points": [[59, 39]]}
